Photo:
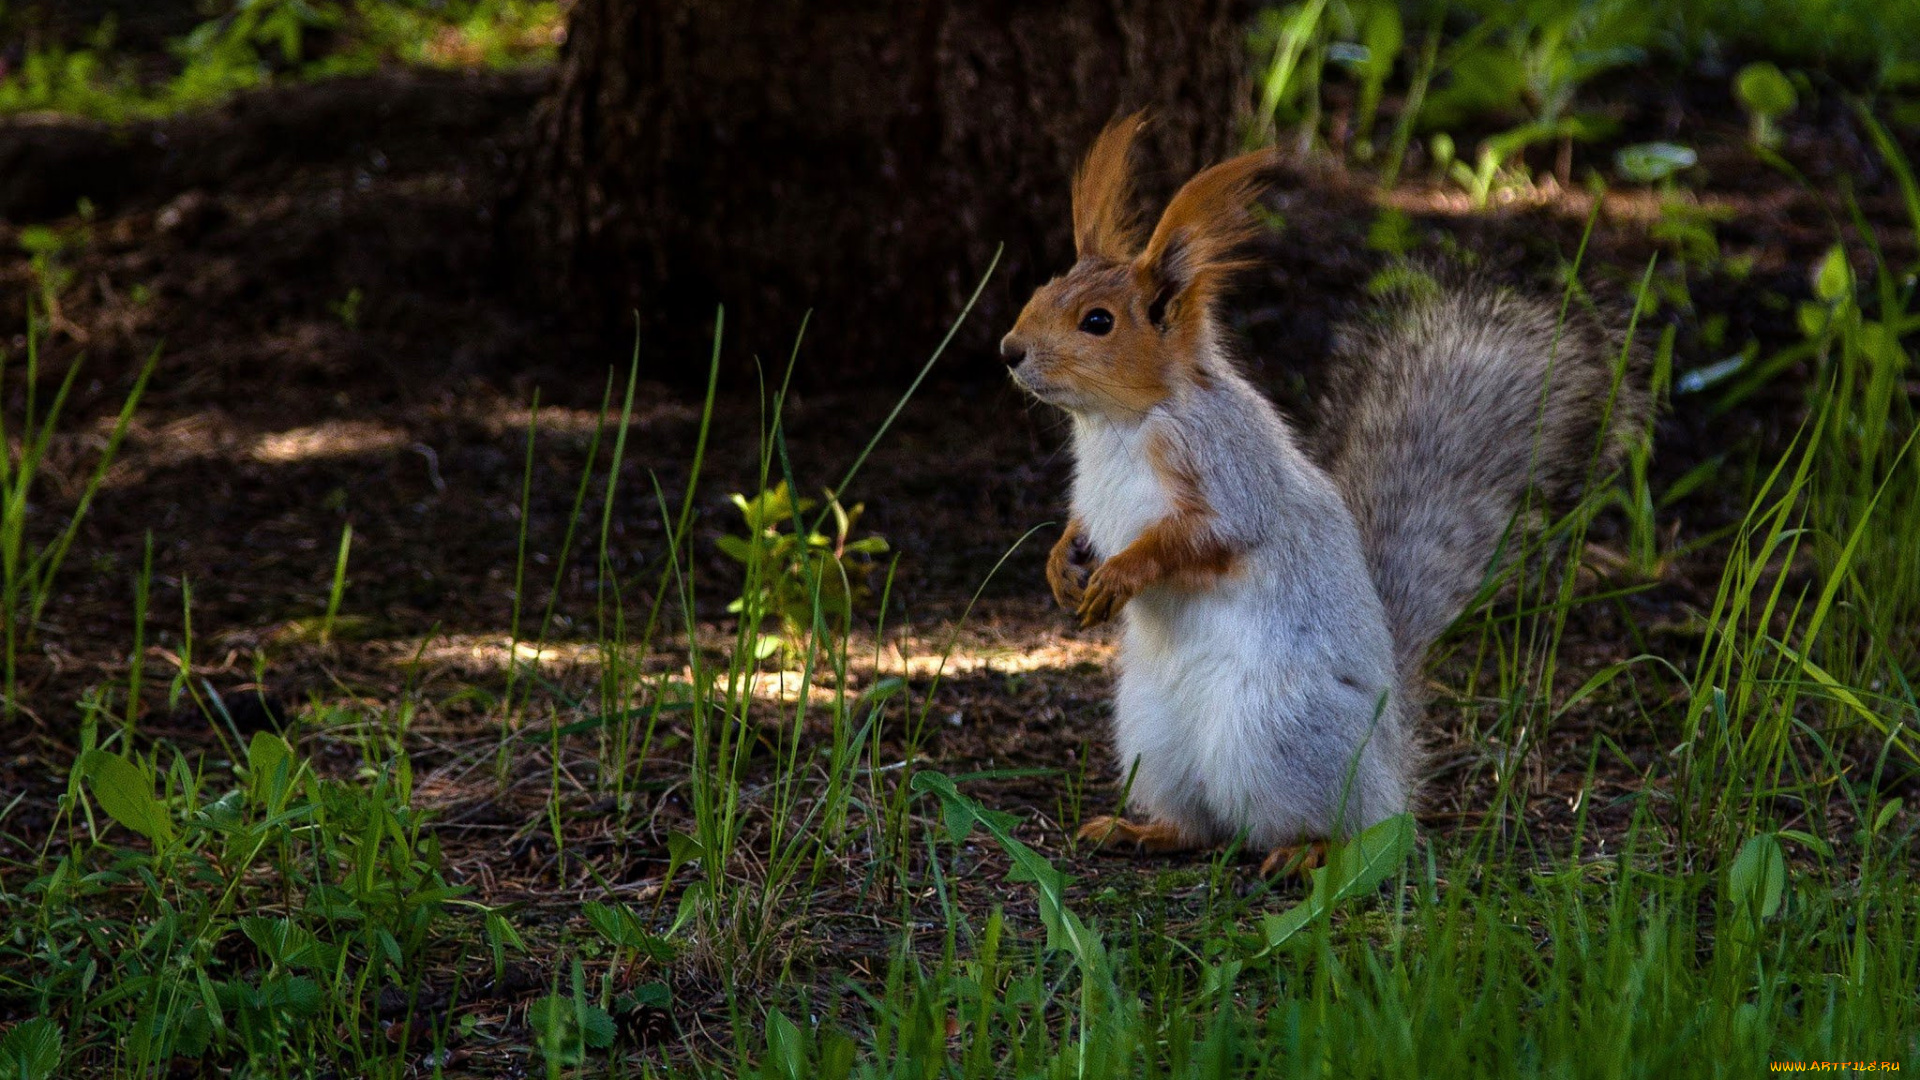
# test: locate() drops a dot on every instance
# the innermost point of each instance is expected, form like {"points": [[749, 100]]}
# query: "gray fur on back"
{"points": [[1441, 419]]}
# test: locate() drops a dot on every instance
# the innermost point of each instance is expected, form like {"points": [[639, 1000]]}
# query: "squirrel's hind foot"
{"points": [[1294, 858], [1155, 837]]}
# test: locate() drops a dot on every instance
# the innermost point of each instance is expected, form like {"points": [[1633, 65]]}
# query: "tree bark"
{"points": [[859, 160]]}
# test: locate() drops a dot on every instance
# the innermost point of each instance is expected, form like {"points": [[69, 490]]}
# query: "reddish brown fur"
{"points": [[1105, 227], [1126, 369], [1160, 297], [1191, 254]]}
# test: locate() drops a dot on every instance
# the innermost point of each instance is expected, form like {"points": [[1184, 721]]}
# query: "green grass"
{"points": [[248, 44], [1490, 83]]}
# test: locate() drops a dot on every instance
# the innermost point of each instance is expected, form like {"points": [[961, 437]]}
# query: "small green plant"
{"points": [[1654, 162], [254, 921], [795, 572], [83, 79], [566, 1026], [29, 564], [47, 249], [1296, 41], [347, 308], [1391, 233], [1767, 95], [1500, 155], [1371, 59], [338, 588]]}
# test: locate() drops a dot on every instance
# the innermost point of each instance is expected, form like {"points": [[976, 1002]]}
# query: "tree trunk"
{"points": [[860, 160]]}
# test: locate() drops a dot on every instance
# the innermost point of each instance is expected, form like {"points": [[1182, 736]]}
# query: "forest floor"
{"points": [[340, 345]]}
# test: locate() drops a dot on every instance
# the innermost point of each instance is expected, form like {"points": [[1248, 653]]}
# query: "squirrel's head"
{"points": [[1127, 326]]}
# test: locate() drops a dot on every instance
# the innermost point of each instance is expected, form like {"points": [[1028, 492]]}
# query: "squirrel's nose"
{"points": [[1012, 352]]}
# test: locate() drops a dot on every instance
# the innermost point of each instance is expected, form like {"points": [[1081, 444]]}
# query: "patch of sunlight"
{"points": [[334, 438], [491, 653], [511, 420], [1643, 206], [1058, 654]]}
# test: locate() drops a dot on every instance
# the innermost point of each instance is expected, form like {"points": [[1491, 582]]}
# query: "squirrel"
{"points": [[1278, 599]]}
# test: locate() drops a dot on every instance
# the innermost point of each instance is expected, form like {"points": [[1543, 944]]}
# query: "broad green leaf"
{"points": [[1361, 864], [295, 994], [654, 995], [1762, 89], [193, 1031], [1391, 232], [266, 752], [555, 1026], [125, 792], [1813, 318], [281, 940], [623, 927], [1384, 36], [786, 1050], [596, 1026], [610, 922], [1279, 928], [1758, 877], [1885, 816], [1353, 868], [1834, 279], [270, 765], [1807, 840], [681, 850], [30, 1050], [1650, 163]]}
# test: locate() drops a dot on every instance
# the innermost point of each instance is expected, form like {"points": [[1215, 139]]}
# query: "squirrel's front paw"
{"points": [[1108, 590], [1069, 566]]}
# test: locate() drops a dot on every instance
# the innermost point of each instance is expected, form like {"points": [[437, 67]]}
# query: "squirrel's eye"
{"points": [[1097, 322]]}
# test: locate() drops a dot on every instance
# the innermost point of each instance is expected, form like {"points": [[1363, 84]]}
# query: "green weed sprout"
{"points": [[1767, 95], [790, 576]]}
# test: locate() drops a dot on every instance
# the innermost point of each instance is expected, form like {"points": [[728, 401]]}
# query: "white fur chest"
{"points": [[1116, 492]]}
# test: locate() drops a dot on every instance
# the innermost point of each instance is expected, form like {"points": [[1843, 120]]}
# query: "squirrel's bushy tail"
{"points": [[1444, 416]]}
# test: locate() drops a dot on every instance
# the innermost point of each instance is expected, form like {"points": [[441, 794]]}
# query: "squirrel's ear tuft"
{"points": [[1104, 225], [1195, 248]]}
